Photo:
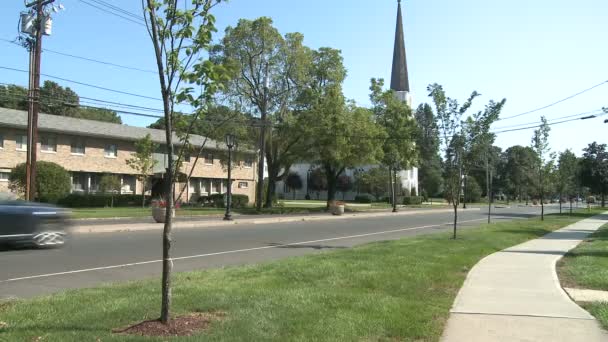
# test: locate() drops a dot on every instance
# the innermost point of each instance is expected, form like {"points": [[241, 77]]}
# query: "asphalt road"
{"points": [[93, 259]]}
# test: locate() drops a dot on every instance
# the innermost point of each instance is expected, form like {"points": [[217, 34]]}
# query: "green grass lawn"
{"points": [[386, 291], [81, 213], [586, 267]]}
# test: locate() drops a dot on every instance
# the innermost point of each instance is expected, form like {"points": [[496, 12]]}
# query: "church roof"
{"points": [[399, 76]]}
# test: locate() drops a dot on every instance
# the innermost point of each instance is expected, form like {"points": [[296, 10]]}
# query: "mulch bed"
{"points": [[187, 325]]}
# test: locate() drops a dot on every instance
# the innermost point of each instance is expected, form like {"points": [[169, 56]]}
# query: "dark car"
{"points": [[36, 224]]}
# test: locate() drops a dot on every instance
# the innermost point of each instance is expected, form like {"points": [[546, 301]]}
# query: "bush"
{"points": [[101, 200], [473, 193], [413, 192], [52, 181], [363, 199], [218, 201], [412, 200]]}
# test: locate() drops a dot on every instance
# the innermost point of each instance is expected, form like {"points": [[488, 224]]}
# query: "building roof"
{"points": [[91, 128], [399, 76]]}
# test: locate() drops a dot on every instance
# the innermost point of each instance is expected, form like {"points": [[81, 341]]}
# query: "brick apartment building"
{"points": [[88, 149]]}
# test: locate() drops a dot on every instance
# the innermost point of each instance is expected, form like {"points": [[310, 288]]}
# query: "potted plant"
{"points": [[159, 210], [337, 208]]}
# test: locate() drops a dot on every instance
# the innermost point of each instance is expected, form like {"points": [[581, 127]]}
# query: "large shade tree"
{"points": [[269, 71], [594, 169]]}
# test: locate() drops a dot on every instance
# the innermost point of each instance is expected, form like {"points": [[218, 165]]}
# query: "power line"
{"points": [[114, 13], [554, 103], [550, 124], [118, 9], [87, 58], [86, 84], [597, 111]]}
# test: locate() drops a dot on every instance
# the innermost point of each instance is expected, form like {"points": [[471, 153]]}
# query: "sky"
{"points": [[532, 53]]}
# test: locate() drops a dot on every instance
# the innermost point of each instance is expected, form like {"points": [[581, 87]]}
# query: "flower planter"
{"points": [[337, 209], [159, 214]]}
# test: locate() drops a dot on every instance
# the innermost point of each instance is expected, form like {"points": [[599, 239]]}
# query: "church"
{"points": [[401, 86]]}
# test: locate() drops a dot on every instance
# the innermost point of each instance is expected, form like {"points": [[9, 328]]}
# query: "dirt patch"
{"points": [[186, 325]]}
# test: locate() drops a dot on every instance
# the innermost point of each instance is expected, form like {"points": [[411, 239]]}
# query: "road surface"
{"points": [[95, 258]]}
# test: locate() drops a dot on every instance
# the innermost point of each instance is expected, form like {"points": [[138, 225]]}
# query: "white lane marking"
{"points": [[228, 252]]}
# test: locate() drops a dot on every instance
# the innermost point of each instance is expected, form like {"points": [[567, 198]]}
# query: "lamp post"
{"points": [[230, 143], [393, 182], [308, 182]]}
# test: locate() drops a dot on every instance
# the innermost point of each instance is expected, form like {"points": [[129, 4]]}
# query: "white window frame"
{"points": [[76, 142], [47, 139], [115, 150], [7, 172], [243, 185], [19, 141], [208, 154]]}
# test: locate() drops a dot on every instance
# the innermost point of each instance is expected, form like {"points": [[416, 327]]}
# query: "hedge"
{"points": [[217, 201], [363, 199], [412, 200], [101, 200]]}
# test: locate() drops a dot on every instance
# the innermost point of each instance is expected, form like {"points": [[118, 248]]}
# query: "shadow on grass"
{"points": [[318, 247]]}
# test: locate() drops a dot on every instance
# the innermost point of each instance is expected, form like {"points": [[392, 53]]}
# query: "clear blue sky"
{"points": [[530, 52]]}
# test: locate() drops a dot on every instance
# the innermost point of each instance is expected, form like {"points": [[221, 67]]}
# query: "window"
{"points": [[1, 141], [243, 185], [248, 162], [111, 151], [4, 174], [21, 141], [208, 158], [128, 184], [187, 156], [48, 144], [95, 178], [78, 182], [77, 147]]}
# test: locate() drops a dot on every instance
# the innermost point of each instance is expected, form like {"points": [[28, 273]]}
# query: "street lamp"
{"points": [[308, 173], [393, 181], [230, 143]]}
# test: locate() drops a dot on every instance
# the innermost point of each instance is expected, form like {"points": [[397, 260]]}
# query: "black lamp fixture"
{"points": [[230, 143]]}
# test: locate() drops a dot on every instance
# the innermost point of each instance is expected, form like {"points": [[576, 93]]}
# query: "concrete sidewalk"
{"points": [[515, 295], [218, 222]]}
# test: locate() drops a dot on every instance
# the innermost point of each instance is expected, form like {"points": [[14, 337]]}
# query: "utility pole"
{"points": [[34, 96]]}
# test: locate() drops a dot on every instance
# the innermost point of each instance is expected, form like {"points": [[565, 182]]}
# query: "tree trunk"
{"points": [[270, 192], [332, 181], [455, 205], [464, 194], [143, 194]]}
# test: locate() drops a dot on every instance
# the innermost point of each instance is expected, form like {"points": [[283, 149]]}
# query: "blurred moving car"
{"points": [[40, 225]]}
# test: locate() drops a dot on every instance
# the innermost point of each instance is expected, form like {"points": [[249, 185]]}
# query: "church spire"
{"points": [[399, 77]]}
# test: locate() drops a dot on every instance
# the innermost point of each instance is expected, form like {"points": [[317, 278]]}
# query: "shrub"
{"points": [[473, 193], [413, 192], [218, 200], [100, 200], [52, 181], [363, 199], [412, 200]]}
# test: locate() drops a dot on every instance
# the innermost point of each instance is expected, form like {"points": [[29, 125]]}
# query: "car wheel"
{"points": [[49, 236]]}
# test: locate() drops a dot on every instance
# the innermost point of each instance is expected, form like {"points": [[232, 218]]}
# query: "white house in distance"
{"points": [[400, 84]]}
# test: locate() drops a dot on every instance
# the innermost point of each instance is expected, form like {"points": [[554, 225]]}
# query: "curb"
{"points": [[212, 224]]}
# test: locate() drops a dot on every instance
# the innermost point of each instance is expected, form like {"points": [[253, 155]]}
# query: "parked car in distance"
{"points": [[34, 224]]}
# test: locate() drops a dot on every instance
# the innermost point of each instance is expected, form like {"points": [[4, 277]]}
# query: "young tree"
{"points": [[180, 33], [449, 115], [566, 174], [344, 184], [110, 184], [374, 182], [395, 117], [143, 162], [294, 182], [594, 169], [430, 179], [269, 71], [318, 181], [540, 145]]}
